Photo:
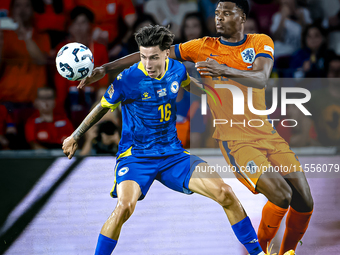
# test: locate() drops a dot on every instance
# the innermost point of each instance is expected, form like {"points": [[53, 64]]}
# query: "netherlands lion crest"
{"points": [[248, 55]]}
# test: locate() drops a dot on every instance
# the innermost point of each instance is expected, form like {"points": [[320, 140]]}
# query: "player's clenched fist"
{"points": [[70, 146]]}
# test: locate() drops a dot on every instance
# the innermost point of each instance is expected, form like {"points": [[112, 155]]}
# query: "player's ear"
{"points": [[243, 18], [167, 53]]}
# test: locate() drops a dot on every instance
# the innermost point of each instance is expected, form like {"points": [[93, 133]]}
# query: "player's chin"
{"points": [[223, 34]]}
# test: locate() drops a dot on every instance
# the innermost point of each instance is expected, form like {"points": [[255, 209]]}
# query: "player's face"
{"points": [[229, 19], [153, 60]]}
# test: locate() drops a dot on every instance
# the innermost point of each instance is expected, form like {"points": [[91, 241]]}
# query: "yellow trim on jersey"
{"points": [[105, 104], [186, 82], [141, 67], [125, 153], [186, 152], [114, 181]]}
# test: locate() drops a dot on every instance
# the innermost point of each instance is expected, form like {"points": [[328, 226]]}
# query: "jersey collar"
{"points": [[234, 43], [141, 67]]}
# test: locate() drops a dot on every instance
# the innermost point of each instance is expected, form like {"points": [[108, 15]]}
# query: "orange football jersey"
{"points": [[241, 56]]}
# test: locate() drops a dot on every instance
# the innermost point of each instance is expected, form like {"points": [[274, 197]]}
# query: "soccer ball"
{"points": [[74, 61]]}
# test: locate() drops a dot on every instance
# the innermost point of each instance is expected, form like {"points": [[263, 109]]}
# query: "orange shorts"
{"points": [[250, 159]]}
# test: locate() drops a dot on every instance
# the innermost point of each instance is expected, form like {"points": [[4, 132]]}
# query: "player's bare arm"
{"points": [[256, 78], [70, 144], [116, 67]]}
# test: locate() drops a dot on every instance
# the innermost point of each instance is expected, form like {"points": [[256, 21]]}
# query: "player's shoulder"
{"points": [[132, 74], [175, 65], [259, 38], [203, 40], [208, 40]]}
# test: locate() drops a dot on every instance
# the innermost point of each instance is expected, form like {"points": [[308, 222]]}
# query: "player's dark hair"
{"points": [[150, 36], [242, 4], [82, 10]]}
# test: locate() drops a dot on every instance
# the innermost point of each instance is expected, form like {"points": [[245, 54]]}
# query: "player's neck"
{"points": [[234, 38]]}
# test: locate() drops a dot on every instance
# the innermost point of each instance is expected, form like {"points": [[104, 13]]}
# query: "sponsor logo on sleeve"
{"points": [[111, 91], [268, 48]]}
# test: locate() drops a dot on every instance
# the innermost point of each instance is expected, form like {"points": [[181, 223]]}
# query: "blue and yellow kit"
{"points": [[149, 148]]}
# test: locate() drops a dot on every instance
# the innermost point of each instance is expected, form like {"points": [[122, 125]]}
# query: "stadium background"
{"points": [[50, 205]]}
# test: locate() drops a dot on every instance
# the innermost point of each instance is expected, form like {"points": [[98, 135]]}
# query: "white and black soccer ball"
{"points": [[74, 61]]}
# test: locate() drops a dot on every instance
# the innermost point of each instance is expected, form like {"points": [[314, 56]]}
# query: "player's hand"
{"points": [[97, 74], [210, 67], [70, 146]]}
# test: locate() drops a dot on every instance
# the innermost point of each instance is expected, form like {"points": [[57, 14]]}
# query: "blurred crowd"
{"points": [[39, 108]]}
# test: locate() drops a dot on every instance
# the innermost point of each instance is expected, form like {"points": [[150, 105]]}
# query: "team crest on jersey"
{"points": [[111, 91], [251, 167], [146, 96], [161, 92], [248, 55], [174, 87], [123, 171]]}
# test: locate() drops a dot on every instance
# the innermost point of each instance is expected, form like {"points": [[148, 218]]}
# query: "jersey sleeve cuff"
{"points": [[178, 53], [265, 55], [186, 82], [105, 104]]}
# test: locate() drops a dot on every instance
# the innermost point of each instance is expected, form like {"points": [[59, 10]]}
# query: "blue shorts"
{"points": [[173, 171]]}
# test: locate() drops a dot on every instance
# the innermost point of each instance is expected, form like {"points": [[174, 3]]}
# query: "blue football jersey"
{"points": [[148, 109]]}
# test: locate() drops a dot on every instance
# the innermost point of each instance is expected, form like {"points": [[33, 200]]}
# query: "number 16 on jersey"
{"points": [[165, 112]]}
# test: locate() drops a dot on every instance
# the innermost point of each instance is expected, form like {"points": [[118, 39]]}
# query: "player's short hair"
{"points": [[242, 4], [157, 35]]}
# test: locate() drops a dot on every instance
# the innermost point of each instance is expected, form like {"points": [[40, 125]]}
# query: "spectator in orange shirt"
{"points": [[79, 102], [51, 16], [107, 14], [46, 129], [22, 56]]}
